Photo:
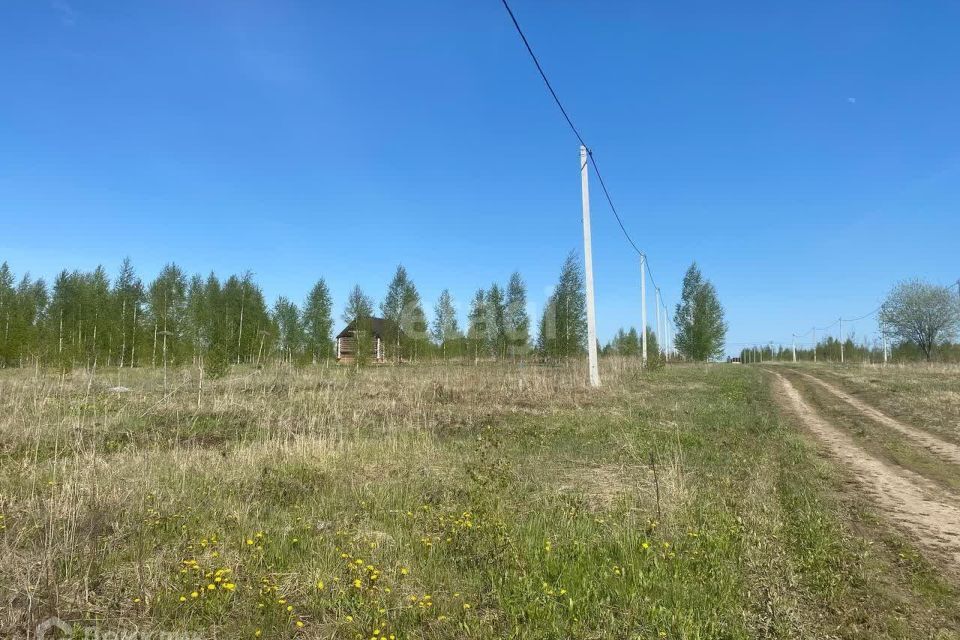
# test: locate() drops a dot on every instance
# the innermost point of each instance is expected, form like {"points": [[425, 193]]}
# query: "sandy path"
{"points": [[942, 449], [906, 498]]}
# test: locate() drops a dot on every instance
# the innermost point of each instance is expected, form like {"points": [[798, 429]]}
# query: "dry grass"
{"points": [[482, 502], [926, 396]]}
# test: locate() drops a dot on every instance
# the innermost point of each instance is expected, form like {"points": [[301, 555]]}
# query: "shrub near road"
{"points": [[440, 502]]}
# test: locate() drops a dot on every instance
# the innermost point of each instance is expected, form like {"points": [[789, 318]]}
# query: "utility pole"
{"points": [[643, 307], [666, 331], [814, 345], [841, 340], [588, 271], [794, 347], [659, 326]]}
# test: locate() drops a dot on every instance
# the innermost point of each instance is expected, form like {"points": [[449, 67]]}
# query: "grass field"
{"points": [[926, 395], [444, 502]]}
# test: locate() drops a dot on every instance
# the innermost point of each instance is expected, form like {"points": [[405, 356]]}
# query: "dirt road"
{"points": [[910, 501], [940, 448]]}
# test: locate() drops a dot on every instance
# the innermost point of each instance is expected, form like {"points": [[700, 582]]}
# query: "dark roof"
{"points": [[380, 327]]}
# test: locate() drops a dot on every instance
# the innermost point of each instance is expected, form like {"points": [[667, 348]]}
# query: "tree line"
{"points": [[919, 321], [89, 319]]}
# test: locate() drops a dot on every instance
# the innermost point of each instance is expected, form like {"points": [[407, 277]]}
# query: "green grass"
{"points": [[880, 440], [488, 502]]}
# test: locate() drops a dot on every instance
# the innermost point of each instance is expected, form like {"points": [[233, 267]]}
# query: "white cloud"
{"points": [[66, 13]]}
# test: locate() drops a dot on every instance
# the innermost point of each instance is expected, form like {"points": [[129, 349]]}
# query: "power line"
{"points": [[867, 315], [544, 75], [576, 132], [667, 318]]}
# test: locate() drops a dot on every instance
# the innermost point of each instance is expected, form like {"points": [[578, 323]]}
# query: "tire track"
{"points": [[908, 499], [944, 450]]}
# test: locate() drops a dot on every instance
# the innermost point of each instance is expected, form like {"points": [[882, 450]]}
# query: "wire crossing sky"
{"points": [[592, 160], [807, 156]]}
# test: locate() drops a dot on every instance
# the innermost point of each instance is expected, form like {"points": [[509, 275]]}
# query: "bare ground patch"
{"points": [[907, 499], [941, 448]]}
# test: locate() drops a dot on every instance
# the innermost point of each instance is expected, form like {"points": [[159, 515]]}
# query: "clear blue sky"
{"points": [[807, 155]]}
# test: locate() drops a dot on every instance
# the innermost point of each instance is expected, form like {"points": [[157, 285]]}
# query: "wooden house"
{"points": [[376, 332]]}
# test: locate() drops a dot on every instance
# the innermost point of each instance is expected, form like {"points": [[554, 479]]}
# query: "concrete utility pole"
{"points": [[643, 307], [666, 331], [841, 340], [588, 271], [794, 347], [659, 326]]}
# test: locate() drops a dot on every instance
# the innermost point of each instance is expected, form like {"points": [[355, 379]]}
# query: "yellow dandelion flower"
{"points": [[289, 607], [211, 586], [249, 541], [195, 595], [229, 586], [320, 584], [257, 633], [404, 571], [183, 598], [466, 605], [299, 623], [357, 583]]}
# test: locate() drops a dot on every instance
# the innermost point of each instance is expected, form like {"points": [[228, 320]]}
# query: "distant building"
{"points": [[380, 330], [734, 360]]}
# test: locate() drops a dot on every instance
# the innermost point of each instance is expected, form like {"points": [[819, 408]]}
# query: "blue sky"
{"points": [[806, 155]]}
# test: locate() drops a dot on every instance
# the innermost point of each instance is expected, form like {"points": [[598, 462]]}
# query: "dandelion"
{"points": [[229, 586], [300, 623], [195, 595], [183, 598], [404, 571], [257, 633], [249, 541], [320, 585], [466, 605], [211, 586], [357, 584]]}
